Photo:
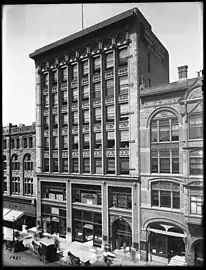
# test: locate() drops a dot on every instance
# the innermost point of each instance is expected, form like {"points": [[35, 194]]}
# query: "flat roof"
{"points": [[119, 17]]}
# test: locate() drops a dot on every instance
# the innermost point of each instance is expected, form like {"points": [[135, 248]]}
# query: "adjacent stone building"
{"points": [[18, 184], [171, 166], [87, 129]]}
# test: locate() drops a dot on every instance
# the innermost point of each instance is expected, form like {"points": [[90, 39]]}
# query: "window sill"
{"points": [[164, 209], [120, 209]]}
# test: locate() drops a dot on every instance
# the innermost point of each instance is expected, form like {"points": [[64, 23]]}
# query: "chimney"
{"points": [[182, 72]]}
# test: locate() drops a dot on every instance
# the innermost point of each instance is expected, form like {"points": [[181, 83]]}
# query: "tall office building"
{"points": [[87, 128]]}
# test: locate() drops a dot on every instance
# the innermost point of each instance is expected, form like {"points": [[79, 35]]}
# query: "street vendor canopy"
{"points": [[6, 211], [13, 215]]}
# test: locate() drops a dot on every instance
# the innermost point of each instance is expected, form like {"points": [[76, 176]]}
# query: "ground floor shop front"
{"points": [[100, 213]]}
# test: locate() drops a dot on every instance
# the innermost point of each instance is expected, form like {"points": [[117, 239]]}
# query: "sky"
{"points": [[178, 25]]}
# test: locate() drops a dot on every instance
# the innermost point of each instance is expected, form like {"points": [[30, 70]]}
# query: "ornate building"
{"points": [[19, 185], [171, 154], [87, 129]]}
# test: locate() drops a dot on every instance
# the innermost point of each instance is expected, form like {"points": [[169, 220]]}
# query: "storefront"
{"points": [[53, 207], [87, 226], [54, 219], [165, 241]]}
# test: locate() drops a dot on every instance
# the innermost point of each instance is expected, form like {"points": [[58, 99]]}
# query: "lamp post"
{"points": [[13, 226]]}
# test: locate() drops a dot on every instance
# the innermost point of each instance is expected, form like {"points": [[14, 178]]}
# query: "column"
{"points": [[116, 111], [69, 127], [21, 174], [38, 201], [80, 117], [39, 123], [103, 113], [59, 130], [105, 214], [69, 211], [91, 114], [50, 122]]}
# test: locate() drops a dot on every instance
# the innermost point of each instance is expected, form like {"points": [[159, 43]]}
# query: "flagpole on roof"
{"points": [[82, 18]]}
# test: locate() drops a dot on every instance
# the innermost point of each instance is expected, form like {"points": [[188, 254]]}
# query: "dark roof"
{"points": [[173, 86], [86, 31]]}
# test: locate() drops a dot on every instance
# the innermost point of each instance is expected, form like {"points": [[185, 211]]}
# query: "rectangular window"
{"points": [[175, 161], [149, 82], [110, 165], [64, 119], [124, 138], [28, 187], [85, 141], [46, 143], [46, 165], [46, 122], [109, 60], [164, 130], [4, 144], [109, 88], [85, 116], [196, 166], [17, 143], [12, 144], [54, 99], [85, 90], [45, 79], [124, 165], [176, 200], [97, 115], [155, 198], [65, 164], [15, 185], [75, 165], [74, 94], [55, 142], [85, 68], [55, 165], [65, 142], [86, 165], [123, 84], [25, 142], [75, 141], [75, 118], [74, 72], [154, 161], [165, 197], [110, 139], [154, 131], [175, 130], [5, 185], [64, 97], [55, 121], [98, 165], [196, 126], [164, 161], [54, 77], [30, 142], [98, 140], [64, 74], [97, 90], [123, 56], [124, 111], [196, 205], [46, 100], [110, 113], [96, 64]]}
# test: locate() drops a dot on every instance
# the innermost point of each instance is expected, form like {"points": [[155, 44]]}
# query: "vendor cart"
{"points": [[10, 243]]}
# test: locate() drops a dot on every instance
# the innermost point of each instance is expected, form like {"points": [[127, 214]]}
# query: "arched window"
{"points": [[15, 165], [165, 194], [28, 164], [164, 139], [196, 162], [4, 163], [196, 123]]}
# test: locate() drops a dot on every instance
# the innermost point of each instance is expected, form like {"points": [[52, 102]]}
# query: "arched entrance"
{"points": [[166, 242], [121, 234], [198, 249]]}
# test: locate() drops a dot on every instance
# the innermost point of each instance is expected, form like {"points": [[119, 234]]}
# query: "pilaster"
{"points": [[69, 211], [59, 104], [105, 214], [80, 118]]}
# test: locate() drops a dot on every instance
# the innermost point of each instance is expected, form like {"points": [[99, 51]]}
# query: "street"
{"points": [[24, 258]]}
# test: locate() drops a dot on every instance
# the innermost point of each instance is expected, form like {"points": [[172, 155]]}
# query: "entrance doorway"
{"points": [[199, 252], [121, 234]]}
